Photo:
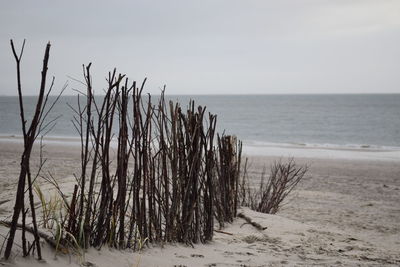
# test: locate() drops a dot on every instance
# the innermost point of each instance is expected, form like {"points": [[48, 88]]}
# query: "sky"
{"points": [[208, 46]]}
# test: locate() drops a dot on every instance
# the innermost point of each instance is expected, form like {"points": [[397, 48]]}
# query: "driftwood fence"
{"points": [[173, 174], [171, 178]]}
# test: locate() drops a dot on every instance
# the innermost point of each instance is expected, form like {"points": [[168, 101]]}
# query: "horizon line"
{"points": [[232, 94]]}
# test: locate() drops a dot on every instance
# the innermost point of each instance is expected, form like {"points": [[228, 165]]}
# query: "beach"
{"points": [[226, 133], [345, 212]]}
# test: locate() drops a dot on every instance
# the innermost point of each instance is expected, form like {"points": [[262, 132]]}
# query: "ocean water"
{"points": [[352, 121]]}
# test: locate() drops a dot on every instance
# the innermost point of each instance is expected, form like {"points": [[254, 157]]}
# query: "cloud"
{"points": [[211, 46]]}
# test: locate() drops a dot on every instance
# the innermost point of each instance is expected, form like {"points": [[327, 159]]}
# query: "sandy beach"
{"points": [[346, 212], [189, 134]]}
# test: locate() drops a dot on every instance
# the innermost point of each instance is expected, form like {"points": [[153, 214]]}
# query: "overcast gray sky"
{"points": [[209, 46]]}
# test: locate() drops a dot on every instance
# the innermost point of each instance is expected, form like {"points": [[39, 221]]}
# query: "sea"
{"points": [[293, 125]]}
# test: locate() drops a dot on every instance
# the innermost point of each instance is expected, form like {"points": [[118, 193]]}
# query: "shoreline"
{"points": [[258, 148]]}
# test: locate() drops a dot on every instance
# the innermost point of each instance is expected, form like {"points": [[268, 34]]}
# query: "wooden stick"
{"points": [[223, 232], [250, 221], [50, 240]]}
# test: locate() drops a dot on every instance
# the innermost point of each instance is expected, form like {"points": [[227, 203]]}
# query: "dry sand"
{"points": [[345, 213]]}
